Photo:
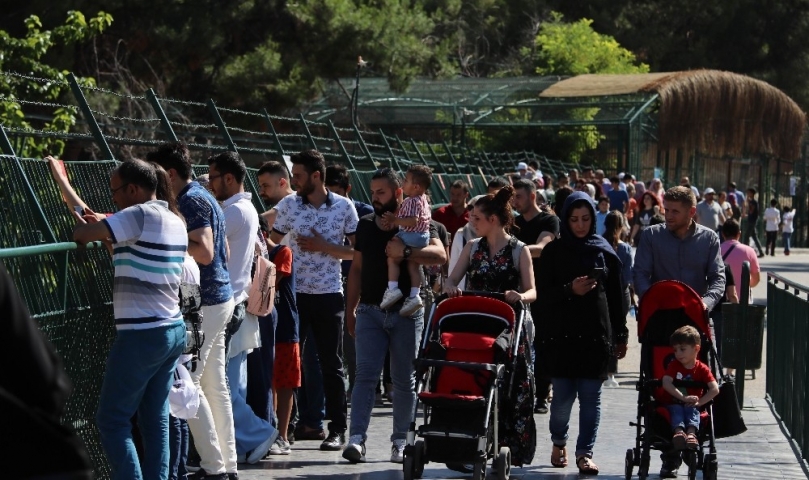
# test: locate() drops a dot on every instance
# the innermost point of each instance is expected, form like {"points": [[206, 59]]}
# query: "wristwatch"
{"points": [[407, 251]]}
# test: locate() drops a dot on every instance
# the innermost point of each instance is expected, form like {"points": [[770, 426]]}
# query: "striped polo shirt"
{"points": [[149, 245]]}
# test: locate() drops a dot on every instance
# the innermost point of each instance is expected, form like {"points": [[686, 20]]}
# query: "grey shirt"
{"points": [[694, 260], [710, 215]]}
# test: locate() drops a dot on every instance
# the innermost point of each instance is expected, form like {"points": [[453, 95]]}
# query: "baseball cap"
{"points": [[708, 191], [522, 166]]}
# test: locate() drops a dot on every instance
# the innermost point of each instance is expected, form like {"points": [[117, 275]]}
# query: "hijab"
{"points": [[592, 246]]}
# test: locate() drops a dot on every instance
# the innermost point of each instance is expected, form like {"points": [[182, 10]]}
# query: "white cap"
{"points": [[708, 190], [522, 166]]}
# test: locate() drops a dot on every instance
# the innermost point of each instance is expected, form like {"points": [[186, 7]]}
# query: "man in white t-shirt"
{"points": [[254, 435], [321, 222], [149, 244], [772, 221], [786, 230]]}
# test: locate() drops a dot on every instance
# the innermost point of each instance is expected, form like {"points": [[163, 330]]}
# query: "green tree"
{"points": [[28, 54]]}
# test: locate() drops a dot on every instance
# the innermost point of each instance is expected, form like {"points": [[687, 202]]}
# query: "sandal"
{"points": [[691, 442], [559, 457], [586, 466], [679, 440]]}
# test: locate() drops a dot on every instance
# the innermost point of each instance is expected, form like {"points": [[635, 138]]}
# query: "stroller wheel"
{"points": [[629, 464], [418, 459], [480, 470], [710, 467], [504, 464], [691, 460]]}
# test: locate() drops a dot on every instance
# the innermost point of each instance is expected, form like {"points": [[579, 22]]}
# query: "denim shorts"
{"points": [[414, 239]]}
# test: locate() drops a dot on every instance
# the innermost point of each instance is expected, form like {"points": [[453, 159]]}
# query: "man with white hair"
{"points": [[709, 212]]}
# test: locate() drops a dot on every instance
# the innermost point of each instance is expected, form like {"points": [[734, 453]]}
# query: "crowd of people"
{"points": [[352, 285]]}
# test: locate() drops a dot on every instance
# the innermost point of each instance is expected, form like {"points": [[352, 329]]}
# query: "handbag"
{"points": [[727, 416], [184, 394]]}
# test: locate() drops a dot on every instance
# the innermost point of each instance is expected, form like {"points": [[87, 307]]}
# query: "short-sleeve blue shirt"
{"points": [[201, 210]]}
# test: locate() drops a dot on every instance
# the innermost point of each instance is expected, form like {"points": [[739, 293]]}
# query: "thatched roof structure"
{"points": [[716, 113]]}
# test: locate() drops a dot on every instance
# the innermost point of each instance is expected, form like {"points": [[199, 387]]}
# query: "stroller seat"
{"points": [[457, 386]]}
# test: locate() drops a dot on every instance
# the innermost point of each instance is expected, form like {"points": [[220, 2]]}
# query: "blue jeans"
{"points": [[414, 239], [178, 442], [140, 370], [377, 332], [311, 400], [260, 364], [786, 236], [683, 416], [565, 391], [250, 429]]}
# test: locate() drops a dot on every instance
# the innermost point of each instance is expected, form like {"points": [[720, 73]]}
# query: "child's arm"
{"points": [[668, 385], [713, 391]]}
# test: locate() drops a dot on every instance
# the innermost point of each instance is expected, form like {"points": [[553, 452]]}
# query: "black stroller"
{"points": [[667, 306], [465, 365]]}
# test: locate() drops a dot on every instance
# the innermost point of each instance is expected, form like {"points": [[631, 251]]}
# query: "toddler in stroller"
{"points": [[677, 384]]}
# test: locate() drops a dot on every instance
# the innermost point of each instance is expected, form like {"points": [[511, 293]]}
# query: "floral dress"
{"points": [[517, 426]]}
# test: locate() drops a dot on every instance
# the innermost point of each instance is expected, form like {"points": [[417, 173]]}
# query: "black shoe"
{"points": [[233, 476], [668, 472], [334, 442], [201, 475], [542, 408]]}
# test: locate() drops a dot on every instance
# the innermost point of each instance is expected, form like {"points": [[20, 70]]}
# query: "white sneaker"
{"points": [[611, 383], [260, 451], [397, 450], [411, 306], [280, 447], [390, 298], [355, 450]]}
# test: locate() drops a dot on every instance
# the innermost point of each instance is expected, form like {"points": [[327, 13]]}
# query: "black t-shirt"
{"points": [[370, 240], [752, 210], [529, 232], [441, 231]]}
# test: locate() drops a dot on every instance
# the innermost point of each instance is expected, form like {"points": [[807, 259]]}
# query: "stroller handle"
{"points": [[473, 293]]}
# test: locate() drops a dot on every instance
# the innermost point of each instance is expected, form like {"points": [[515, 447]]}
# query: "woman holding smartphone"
{"points": [[580, 290]]}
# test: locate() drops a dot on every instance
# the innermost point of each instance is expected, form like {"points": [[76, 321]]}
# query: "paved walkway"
{"points": [[763, 452]]}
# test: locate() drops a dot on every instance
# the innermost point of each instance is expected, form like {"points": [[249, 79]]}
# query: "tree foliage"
{"points": [[28, 54]]}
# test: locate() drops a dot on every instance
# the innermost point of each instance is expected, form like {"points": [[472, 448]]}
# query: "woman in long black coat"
{"points": [[579, 290]]}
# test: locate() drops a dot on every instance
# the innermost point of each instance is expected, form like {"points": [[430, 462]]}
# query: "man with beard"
{"points": [[254, 435], [320, 222], [375, 330], [537, 228], [310, 404]]}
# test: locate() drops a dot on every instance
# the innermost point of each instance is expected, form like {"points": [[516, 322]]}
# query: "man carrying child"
{"points": [[413, 220]]}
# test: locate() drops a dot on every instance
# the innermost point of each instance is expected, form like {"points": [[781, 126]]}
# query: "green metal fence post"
{"points": [[89, 118], [363, 146], [403, 149], [342, 147], [744, 301], [394, 163], [164, 120], [451, 156], [308, 133], [275, 138], [5, 143], [343, 150], [489, 162], [223, 129], [421, 157], [435, 157]]}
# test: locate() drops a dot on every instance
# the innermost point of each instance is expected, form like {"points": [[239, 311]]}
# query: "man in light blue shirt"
{"points": [[680, 250]]}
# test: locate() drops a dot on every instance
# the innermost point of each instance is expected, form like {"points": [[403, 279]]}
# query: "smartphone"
{"points": [[79, 209], [595, 273]]}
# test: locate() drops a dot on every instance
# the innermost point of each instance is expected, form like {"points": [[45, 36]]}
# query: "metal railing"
{"points": [[787, 352]]}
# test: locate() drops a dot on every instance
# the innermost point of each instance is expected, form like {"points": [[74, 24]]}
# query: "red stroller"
{"points": [[465, 365], [667, 306]]}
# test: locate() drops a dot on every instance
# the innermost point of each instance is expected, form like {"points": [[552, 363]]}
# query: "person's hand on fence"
{"points": [[90, 216], [57, 167]]}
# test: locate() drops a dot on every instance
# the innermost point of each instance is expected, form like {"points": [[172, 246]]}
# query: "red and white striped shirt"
{"points": [[415, 207]]}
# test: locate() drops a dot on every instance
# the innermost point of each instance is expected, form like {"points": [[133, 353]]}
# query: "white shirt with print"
{"points": [[336, 219]]}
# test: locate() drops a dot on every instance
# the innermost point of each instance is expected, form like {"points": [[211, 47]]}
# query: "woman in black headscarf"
{"points": [[579, 290]]}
